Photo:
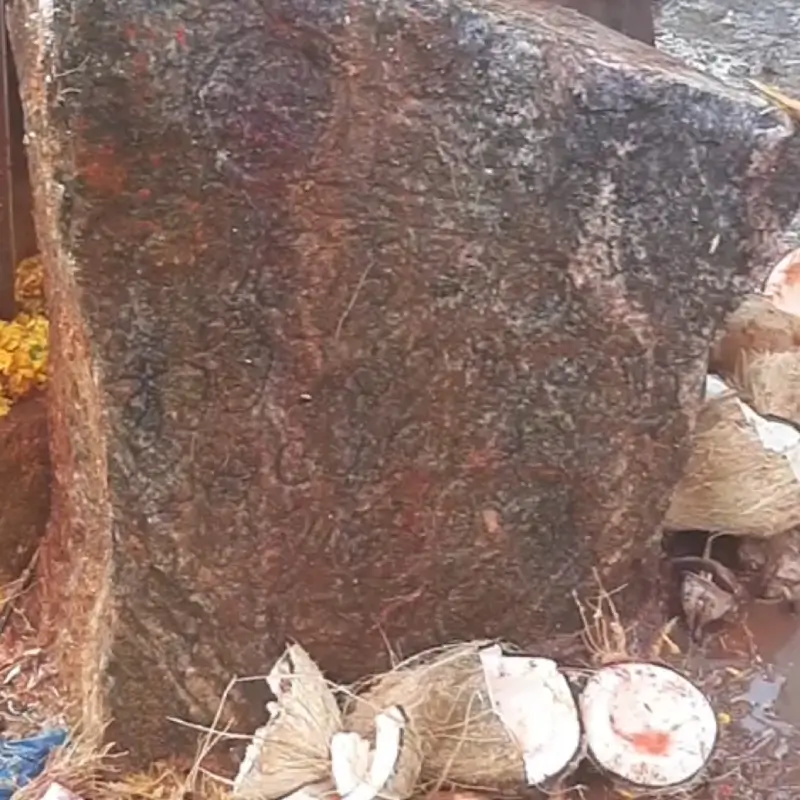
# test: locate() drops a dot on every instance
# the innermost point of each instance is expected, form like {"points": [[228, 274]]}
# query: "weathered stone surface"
{"points": [[25, 478], [735, 40], [371, 319]]}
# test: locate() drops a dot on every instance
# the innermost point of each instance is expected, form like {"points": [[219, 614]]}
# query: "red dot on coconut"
{"points": [[647, 725]]}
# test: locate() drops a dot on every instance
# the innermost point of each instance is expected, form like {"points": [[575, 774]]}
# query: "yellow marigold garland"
{"points": [[24, 340]]}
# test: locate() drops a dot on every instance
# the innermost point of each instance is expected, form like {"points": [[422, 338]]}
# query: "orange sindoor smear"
{"points": [[652, 743]]}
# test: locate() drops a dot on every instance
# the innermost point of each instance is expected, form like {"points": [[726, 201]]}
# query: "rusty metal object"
{"points": [[704, 602], [7, 231], [710, 591], [724, 576]]}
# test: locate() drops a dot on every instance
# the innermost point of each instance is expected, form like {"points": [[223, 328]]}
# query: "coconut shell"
{"points": [[468, 728], [648, 728], [757, 327], [444, 696], [770, 382], [732, 482], [384, 768], [406, 777], [292, 750]]}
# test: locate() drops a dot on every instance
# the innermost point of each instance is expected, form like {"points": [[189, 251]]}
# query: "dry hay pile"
{"points": [[92, 771], [80, 765]]}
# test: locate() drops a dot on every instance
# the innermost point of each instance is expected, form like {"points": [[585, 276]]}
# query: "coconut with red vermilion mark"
{"points": [[647, 727]]}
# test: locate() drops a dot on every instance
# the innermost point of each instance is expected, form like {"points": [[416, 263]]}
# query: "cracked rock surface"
{"points": [[372, 321]]}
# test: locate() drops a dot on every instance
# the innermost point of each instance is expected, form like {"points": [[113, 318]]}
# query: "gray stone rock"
{"points": [[735, 40], [371, 319]]}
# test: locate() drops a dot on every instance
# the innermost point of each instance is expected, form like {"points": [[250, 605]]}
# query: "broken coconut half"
{"points": [[390, 770], [291, 753], [775, 436], [443, 693], [647, 726], [743, 473], [534, 701]]}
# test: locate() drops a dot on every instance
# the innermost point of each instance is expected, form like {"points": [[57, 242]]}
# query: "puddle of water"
{"points": [[775, 691], [785, 661], [768, 732], [762, 694]]}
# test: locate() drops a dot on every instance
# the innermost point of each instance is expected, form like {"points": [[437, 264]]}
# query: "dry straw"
{"points": [[443, 693], [91, 770], [81, 765], [732, 483]]}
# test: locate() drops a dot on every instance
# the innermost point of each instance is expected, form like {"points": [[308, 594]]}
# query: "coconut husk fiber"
{"points": [[732, 483], [756, 327], [770, 383], [293, 749], [444, 696]]}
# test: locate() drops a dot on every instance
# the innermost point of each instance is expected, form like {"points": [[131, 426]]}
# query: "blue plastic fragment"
{"points": [[21, 760]]}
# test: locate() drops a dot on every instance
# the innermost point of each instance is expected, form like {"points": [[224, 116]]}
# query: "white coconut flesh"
{"points": [[360, 772], [783, 284], [647, 724], [775, 436], [716, 387], [534, 701]]}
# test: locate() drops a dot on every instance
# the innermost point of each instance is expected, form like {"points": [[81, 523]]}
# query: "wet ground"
{"points": [[751, 671], [764, 705]]}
